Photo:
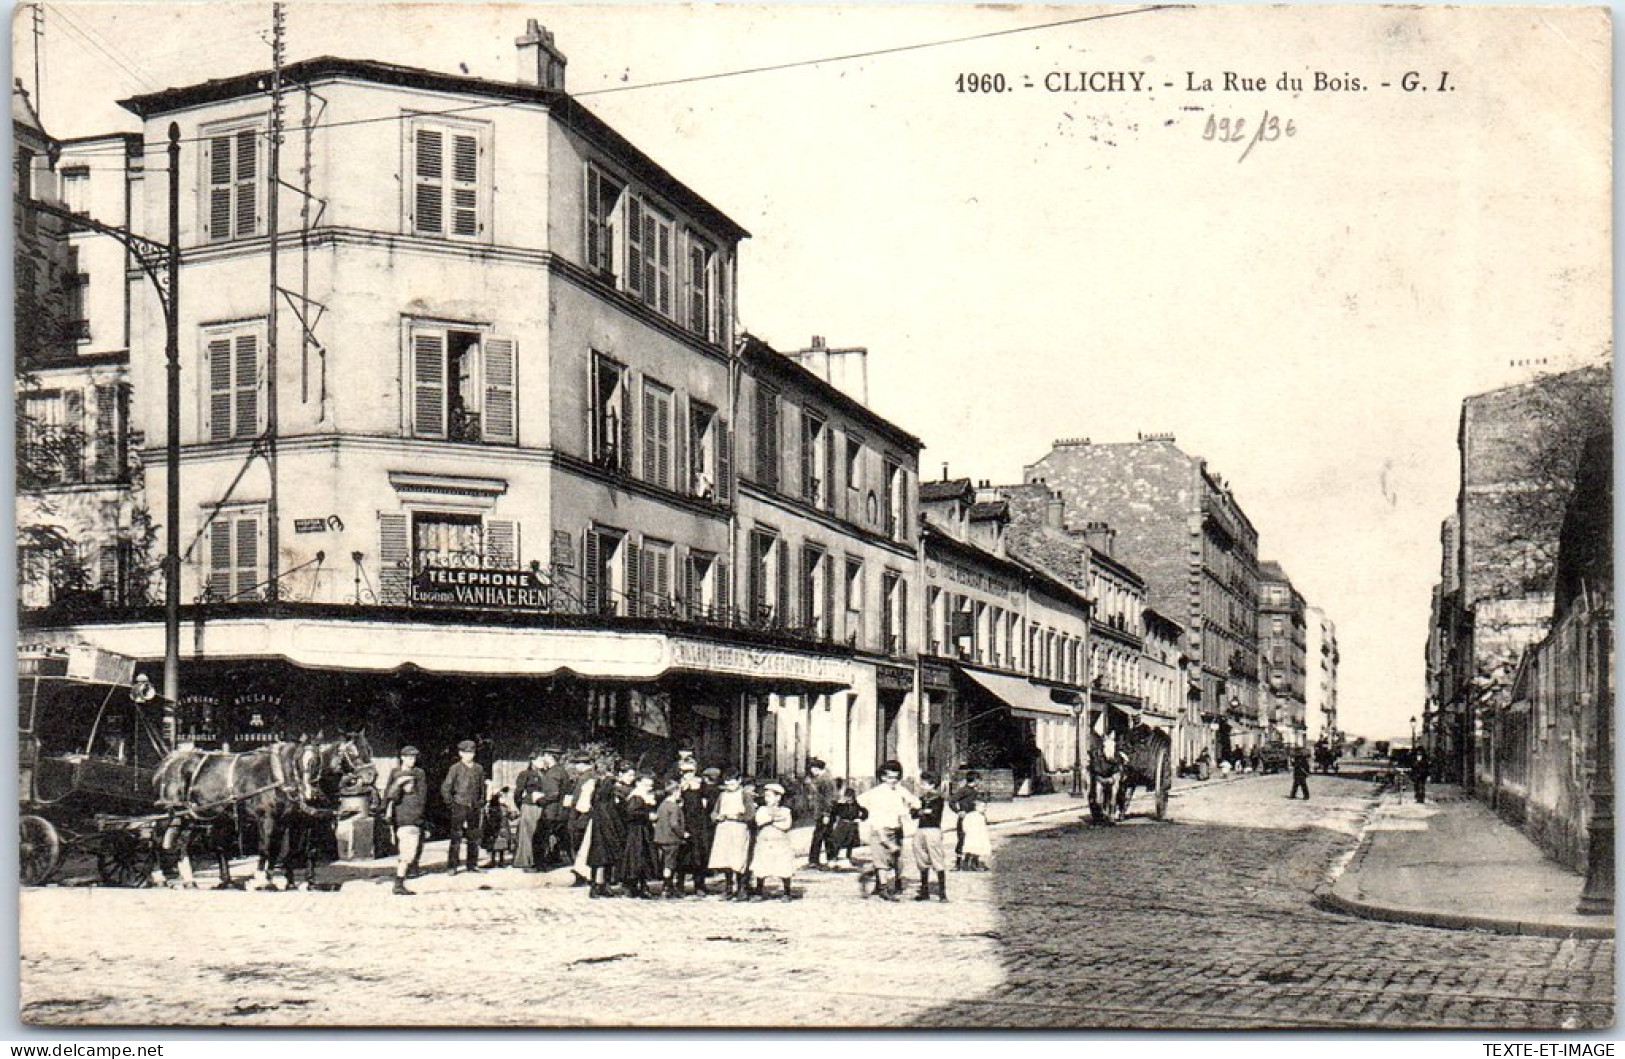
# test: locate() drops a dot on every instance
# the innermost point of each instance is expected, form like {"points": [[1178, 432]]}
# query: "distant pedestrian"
{"points": [[772, 857], [527, 795], [583, 781], [843, 831], [497, 835], [699, 798], [1300, 775], [978, 841], [639, 861], [889, 805], [1419, 774], [553, 833], [817, 799], [406, 796], [730, 841], [964, 799], [463, 791], [670, 831], [930, 855], [607, 843]]}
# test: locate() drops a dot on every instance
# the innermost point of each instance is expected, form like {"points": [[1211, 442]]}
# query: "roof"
{"points": [[936, 491], [22, 109], [1270, 570], [988, 509], [758, 353], [933, 536], [561, 104]]}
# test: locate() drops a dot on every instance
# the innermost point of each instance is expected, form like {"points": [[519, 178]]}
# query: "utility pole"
{"points": [[172, 446], [273, 182]]}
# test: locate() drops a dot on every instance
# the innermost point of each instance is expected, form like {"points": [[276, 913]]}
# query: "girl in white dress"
{"points": [[978, 843], [730, 842], [773, 857]]}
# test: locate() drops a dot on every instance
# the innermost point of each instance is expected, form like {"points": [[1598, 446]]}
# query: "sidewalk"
{"points": [[1453, 863]]}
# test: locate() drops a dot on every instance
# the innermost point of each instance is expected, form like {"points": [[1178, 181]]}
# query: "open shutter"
{"points": [[218, 160], [218, 369], [755, 566], [651, 440], [500, 423], [651, 258], [831, 473], [691, 587], [827, 628], [247, 179], [724, 605], [465, 192], [781, 615], [591, 573], [663, 576], [247, 559], [428, 180], [594, 232], [502, 544], [219, 559], [634, 246], [624, 443], [649, 599], [902, 616], [634, 578], [394, 560], [246, 386], [107, 466], [663, 252], [725, 463], [73, 436], [429, 384], [809, 465], [682, 474]]}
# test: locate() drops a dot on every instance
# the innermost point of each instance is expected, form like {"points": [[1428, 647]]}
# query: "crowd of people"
{"points": [[625, 831]]}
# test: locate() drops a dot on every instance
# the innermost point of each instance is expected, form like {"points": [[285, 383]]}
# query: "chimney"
{"points": [[817, 341], [540, 61], [945, 470], [1055, 511]]}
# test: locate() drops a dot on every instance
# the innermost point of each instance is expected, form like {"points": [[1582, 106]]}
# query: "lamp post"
{"points": [[1413, 735]]}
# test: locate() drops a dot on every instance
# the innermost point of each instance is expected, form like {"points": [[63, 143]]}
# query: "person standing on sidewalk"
{"points": [[463, 791], [889, 805], [1419, 774], [406, 795], [553, 837], [527, 794], [929, 853], [1300, 775], [818, 800]]}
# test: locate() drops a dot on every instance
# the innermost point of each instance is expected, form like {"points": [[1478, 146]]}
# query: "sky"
{"points": [[1305, 309]]}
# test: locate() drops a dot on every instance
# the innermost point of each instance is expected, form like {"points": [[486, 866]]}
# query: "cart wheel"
{"points": [[125, 860], [1163, 771], [40, 852]]}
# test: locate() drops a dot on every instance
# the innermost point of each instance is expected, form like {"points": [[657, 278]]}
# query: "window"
{"points": [[767, 436], [657, 416], [648, 578], [854, 463], [74, 285], [112, 432], [231, 162], [76, 188], [702, 291], [896, 502], [235, 555], [603, 571], [894, 612], [463, 386], [233, 361], [815, 458], [854, 600], [705, 591], [54, 439], [767, 589], [447, 183], [603, 198], [611, 439], [648, 255], [703, 435], [815, 590]]}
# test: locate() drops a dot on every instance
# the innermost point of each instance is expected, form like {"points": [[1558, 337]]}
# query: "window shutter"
{"points": [[107, 578], [725, 462], [591, 214], [781, 615], [394, 560], [502, 543], [663, 575], [73, 436], [724, 604], [808, 463], [663, 405], [755, 572], [651, 257], [246, 387], [634, 578], [651, 441], [107, 466], [591, 573], [501, 422], [663, 259], [247, 183], [465, 171], [429, 383], [429, 181], [634, 246], [902, 616], [649, 598], [624, 458], [219, 559], [218, 353], [247, 562], [827, 626], [691, 587], [830, 472], [682, 479]]}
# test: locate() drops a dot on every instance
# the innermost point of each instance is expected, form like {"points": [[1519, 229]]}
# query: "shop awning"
{"points": [[1023, 698]]}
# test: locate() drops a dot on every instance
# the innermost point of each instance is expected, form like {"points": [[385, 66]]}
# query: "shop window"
{"points": [[454, 541], [611, 439], [463, 386]]}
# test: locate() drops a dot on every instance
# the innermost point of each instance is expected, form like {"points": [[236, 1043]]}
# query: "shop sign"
{"points": [[758, 662], [977, 579], [492, 589], [310, 525], [894, 678], [936, 677]]}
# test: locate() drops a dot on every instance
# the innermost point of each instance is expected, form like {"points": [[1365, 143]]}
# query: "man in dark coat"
{"points": [[554, 839], [406, 796], [817, 801], [1419, 774], [463, 791], [1300, 775]]}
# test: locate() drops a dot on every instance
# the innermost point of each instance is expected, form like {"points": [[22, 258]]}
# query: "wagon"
{"points": [[90, 734], [1144, 760]]}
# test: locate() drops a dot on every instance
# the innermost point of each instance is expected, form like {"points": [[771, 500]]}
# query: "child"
{"points": [[730, 842], [773, 855], [889, 804], [929, 853], [964, 801], [978, 843], [670, 833], [639, 861], [498, 836], [698, 799], [843, 827]]}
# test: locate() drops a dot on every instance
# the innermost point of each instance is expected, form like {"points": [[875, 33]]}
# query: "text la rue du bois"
{"points": [[1132, 81]]}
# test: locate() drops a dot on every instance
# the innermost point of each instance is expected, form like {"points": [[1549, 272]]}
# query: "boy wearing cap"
{"points": [[406, 795], [889, 804], [818, 801], [463, 790]]}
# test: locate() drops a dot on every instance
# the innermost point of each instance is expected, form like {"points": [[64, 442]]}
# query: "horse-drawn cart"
{"points": [[89, 736], [1136, 756]]}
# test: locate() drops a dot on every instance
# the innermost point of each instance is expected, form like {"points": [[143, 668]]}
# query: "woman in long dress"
{"points": [[730, 840], [772, 857], [609, 828], [638, 861]]}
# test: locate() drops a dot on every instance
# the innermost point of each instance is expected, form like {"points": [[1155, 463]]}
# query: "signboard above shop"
{"points": [[515, 590]]}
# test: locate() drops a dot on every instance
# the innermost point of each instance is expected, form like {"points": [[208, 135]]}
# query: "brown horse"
{"points": [[282, 790]]}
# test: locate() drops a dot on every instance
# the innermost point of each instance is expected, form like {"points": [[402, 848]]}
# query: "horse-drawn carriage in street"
{"points": [[100, 778], [1127, 758]]}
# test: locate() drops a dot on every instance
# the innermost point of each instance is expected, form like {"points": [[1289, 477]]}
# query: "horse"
{"points": [[1108, 796], [283, 789]]}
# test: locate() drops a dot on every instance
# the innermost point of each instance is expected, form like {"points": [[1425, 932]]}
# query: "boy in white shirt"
{"points": [[889, 805]]}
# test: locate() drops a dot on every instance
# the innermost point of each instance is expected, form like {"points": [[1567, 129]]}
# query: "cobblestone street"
{"points": [[1205, 922]]}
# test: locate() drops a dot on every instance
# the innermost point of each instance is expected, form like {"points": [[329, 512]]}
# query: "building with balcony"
{"points": [[487, 458], [1321, 658], [1181, 528], [1283, 655]]}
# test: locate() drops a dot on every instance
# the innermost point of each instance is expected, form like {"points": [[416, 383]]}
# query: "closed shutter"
{"points": [[624, 417], [683, 478], [724, 593], [725, 463], [649, 599], [634, 578], [767, 437], [597, 245], [831, 472], [218, 369], [108, 465], [246, 386], [827, 627], [219, 585], [634, 246], [781, 615], [662, 576], [663, 254], [696, 289], [808, 464], [218, 162], [465, 192], [246, 563], [500, 424], [691, 586], [429, 384], [591, 573], [428, 181], [902, 616], [651, 259], [755, 571], [73, 436], [394, 560], [247, 180], [502, 544], [651, 441]]}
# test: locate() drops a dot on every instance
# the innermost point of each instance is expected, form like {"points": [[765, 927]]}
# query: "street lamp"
{"points": [[1413, 734]]}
